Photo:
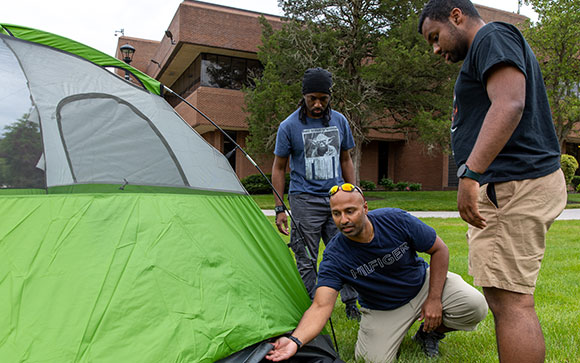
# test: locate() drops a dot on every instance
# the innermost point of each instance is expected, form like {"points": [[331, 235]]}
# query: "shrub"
{"points": [[256, 184], [387, 183], [569, 166], [402, 185], [415, 187], [367, 185], [576, 181]]}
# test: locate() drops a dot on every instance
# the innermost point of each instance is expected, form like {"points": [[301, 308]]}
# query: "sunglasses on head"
{"points": [[346, 187]]}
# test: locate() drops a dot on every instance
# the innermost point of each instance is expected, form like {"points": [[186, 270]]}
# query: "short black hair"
{"points": [[439, 10]]}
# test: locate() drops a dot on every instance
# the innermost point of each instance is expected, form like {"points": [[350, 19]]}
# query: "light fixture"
{"points": [[169, 35], [127, 51]]}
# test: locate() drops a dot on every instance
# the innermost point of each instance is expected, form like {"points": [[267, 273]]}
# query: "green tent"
{"points": [[137, 242]]}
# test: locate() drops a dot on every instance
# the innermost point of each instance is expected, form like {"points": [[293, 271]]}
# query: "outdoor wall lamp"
{"points": [[127, 51]]}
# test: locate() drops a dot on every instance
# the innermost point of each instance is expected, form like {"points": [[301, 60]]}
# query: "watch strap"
{"points": [[279, 209], [295, 340], [472, 175], [464, 172]]}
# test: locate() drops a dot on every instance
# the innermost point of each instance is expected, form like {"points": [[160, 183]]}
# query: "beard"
{"points": [[461, 47]]}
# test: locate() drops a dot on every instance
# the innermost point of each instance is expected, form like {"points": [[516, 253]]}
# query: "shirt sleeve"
{"points": [[328, 275], [347, 138], [419, 235], [499, 46], [283, 143]]}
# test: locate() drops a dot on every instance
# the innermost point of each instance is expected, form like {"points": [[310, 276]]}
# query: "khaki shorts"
{"points": [[382, 331], [507, 254]]}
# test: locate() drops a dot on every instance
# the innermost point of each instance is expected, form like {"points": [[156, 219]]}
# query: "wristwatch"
{"points": [[464, 172], [295, 340], [279, 209]]}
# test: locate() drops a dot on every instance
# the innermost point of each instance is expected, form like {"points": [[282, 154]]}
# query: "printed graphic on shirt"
{"points": [[388, 259], [321, 153]]}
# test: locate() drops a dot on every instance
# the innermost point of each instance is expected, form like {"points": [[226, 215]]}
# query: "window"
{"points": [[228, 72], [219, 71]]}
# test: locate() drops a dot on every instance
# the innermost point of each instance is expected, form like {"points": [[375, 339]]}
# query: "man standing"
{"points": [[317, 140], [376, 252], [511, 187]]}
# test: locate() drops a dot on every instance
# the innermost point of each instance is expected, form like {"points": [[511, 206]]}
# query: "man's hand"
{"points": [[467, 202], [283, 349], [432, 312], [282, 223]]}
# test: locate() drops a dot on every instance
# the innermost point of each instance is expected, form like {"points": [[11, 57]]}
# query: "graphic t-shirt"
{"points": [[314, 151], [533, 149], [387, 272]]}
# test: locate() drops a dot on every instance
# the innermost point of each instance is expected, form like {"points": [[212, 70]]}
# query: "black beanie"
{"points": [[316, 80]]}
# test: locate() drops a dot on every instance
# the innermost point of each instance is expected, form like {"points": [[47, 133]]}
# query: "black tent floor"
{"points": [[319, 350]]}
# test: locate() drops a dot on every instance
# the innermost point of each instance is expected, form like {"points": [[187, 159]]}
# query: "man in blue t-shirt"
{"points": [[376, 252], [511, 186], [316, 140]]}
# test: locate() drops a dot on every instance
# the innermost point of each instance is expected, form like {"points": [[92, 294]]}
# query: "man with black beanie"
{"points": [[317, 141]]}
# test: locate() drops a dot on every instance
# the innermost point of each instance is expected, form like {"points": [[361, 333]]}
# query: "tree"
{"points": [[343, 36], [20, 150], [555, 41]]}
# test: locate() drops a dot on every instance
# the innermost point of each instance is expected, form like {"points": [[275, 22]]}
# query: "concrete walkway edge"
{"points": [[567, 214]]}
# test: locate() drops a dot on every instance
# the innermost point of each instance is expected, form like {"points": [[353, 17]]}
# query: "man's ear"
{"points": [[456, 16]]}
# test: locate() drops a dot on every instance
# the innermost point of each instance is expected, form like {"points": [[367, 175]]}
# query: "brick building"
{"points": [[205, 39]]}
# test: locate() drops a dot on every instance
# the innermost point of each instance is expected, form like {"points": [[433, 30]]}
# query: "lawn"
{"points": [[557, 294], [410, 201]]}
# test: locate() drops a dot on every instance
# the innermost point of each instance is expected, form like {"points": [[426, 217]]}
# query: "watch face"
{"points": [[461, 171]]}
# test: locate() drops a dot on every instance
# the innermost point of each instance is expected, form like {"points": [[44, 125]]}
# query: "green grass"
{"points": [[557, 295], [410, 201]]}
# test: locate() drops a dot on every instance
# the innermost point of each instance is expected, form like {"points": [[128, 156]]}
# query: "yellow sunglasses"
{"points": [[346, 187]]}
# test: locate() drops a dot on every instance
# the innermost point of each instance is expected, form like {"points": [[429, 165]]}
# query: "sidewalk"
{"points": [[567, 214]]}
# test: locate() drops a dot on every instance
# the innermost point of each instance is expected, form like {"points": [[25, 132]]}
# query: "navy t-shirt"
{"points": [[533, 149], [314, 151], [387, 272]]}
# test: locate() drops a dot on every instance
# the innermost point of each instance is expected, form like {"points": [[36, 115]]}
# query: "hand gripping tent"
{"points": [[134, 241]]}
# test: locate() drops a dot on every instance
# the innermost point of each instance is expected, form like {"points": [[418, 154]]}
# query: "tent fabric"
{"points": [[145, 246], [141, 278], [98, 128], [95, 56]]}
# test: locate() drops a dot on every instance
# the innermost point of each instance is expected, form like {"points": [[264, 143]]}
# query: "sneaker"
{"points": [[429, 342], [352, 311]]}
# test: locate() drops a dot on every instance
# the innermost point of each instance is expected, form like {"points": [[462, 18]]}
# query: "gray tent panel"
{"points": [[94, 139]]}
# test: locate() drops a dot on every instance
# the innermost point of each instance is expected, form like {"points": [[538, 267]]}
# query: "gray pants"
{"points": [[312, 215]]}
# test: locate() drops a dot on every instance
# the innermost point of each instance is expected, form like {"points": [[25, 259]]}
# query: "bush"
{"points": [[569, 166], [256, 184], [415, 187], [367, 185], [576, 181], [402, 186], [387, 183]]}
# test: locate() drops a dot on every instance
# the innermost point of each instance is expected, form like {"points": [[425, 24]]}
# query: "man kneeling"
{"points": [[376, 253]]}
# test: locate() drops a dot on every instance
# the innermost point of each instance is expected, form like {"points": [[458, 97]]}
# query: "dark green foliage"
{"points": [[415, 187], [387, 184], [20, 150], [373, 49], [576, 181], [256, 184], [402, 185], [569, 166], [367, 185], [555, 41]]}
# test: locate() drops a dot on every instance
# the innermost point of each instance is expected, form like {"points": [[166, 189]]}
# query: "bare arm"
{"points": [[310, 325], [506, 89], [347, 167], [432, 309], [279, 182]]}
